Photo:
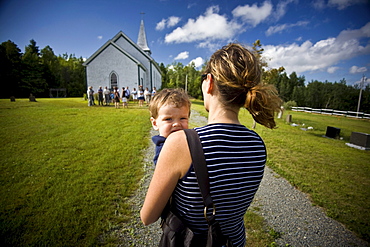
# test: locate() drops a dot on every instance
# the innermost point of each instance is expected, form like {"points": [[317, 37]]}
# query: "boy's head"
{"points": [[170, 111]]}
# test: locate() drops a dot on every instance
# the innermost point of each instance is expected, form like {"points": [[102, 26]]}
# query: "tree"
{"points": [[313, 96], [72, 74], [10, 69], [32, 76], [258, 50], [193, 79], [51, 67], [164, 75], [272, 76]]}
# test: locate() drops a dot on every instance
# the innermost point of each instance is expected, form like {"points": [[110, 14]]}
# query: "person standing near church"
{"points": [[128, 94], [134, 95], [90, 94], [154, 91], [140, 96], [100, 96], [106, 93], [116, 97], [147, 96]]}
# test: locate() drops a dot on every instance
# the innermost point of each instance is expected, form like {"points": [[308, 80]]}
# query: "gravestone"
{"points": [[332, 132], [360, 139], [288, 118], [281, 112], [32, 98]]}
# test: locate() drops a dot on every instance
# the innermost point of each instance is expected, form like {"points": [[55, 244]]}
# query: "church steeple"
{"points": [[141, 39]]}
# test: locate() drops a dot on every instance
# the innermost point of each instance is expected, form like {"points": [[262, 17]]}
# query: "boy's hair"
{"points": [[175, 96]]}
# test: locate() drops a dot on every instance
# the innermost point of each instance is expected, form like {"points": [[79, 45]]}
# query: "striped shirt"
{"points": [[235, 158]]}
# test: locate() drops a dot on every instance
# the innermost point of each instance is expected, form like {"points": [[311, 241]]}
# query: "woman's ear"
{"points": [[210, 84], [154, 123]]}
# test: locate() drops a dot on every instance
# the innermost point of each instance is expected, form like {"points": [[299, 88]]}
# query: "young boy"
{"points": [[169, 112]]}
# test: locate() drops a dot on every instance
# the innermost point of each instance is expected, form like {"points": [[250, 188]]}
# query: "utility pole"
{"points": [[359, 97], [186, 83]]}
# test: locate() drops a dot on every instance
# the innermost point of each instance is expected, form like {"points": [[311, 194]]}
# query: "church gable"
{"points": [[128, 45], [129, 64], [104, 47], [109, 60]]}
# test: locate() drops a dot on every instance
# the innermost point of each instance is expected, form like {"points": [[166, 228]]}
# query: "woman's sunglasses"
{"points": [[203, 77]]}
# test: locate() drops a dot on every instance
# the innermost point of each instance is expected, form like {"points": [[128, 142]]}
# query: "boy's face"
{"points": [[171, 119]]}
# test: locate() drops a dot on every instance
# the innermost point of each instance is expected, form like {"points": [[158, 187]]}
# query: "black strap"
{"points": [[200, 167]]}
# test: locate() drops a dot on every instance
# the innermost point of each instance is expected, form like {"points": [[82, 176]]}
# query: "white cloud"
{"points": [[280, 28], [198, 62], [319, 4], [355, 69], [321, 55], [331, 70], [253, 15], [100, 37], [211, 26], [182, 55], [342, 4], [363, 32], [281, 8], [161, 25], [170, 22]]}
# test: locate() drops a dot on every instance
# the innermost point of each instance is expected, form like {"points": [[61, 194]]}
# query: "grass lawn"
{"points": [[68, 169], [335, 176]]}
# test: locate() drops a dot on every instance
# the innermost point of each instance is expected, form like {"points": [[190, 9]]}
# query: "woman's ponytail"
{"points": [[262, 102]]}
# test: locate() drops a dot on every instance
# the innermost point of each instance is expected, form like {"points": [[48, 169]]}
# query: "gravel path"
{"points": [[285, 209]]}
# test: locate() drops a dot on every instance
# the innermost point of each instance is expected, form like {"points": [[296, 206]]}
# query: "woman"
{"points": [[116, 98], [141, 96], [235, 155], [147, 96]]}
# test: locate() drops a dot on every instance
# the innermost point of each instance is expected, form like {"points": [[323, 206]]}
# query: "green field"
{"points": [[335, 176], [68, 169]]}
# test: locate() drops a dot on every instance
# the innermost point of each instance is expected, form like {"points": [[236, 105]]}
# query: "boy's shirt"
{"points": [[158, 141]]}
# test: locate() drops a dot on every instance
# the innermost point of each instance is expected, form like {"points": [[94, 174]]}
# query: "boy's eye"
{"points": [[167, 119]]}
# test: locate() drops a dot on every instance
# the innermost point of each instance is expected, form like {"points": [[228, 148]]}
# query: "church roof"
{"points": [[141, 46], [141, 39]]}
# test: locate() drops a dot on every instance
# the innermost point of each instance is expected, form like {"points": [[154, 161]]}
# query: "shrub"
{"points": [[288, 105]]}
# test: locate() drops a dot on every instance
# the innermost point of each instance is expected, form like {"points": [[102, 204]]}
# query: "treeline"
{"points": [[37, 71], [322, 95], [292, 88], [187, 77]]}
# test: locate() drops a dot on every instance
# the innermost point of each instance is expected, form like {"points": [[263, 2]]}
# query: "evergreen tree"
{"points": [[51, 67], [33, 80], [10, 69]]}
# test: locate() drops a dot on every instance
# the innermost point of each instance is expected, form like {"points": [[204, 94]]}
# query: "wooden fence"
{"points": [[333, 112]]}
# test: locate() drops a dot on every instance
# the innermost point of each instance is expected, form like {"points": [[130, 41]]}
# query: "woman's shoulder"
{"points": [[226, 129], [176, 136]]}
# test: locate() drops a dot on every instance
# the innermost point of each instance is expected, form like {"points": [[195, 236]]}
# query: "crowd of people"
{"points": [[107, 96]]}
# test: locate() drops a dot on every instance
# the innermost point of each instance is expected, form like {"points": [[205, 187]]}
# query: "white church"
{"points": [[120, 62]]}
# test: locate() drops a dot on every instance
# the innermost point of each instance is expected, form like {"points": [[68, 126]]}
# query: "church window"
{"points": [[113, 80]]}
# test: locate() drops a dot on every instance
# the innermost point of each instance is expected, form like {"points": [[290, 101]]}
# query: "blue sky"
{"points": [[320, 39]]}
